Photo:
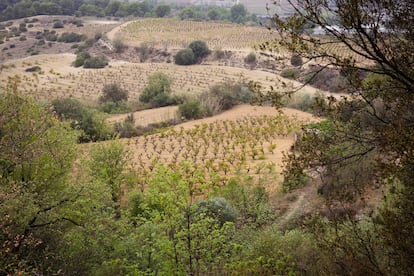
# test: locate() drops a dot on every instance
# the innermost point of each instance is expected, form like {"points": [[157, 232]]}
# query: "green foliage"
{"points": [[271, 252], [144, 51], [290, 73], [36, 157], [162, 10], [158, 90], [296, 60], [250, 58], [91, 123], [185, 57], [119, 46], [188, 13], [95, 62], [113, 92], [219, 209], [250, 201], [200, 49], [190, 109], [222, 97], [71, 37], [369, 140], [81, 58], [58, 25], [238, 13], [108, 166]]}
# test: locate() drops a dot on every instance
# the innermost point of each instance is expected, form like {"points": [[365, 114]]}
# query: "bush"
{"points": [[119, 46], [190, 109], [158, 91], [290, 73], [95, 62], [91, 122], [296, 60], [81, 58], [200, 49], [301, 101], [219, 54], [113, 93], [250, 58], [127, 128], [71, 37], [185, 57], [144, 51], [114, 108], [58, 25], [51, 37]]}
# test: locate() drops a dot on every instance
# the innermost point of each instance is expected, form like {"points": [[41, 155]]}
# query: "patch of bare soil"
{"points": [[149, 116]]}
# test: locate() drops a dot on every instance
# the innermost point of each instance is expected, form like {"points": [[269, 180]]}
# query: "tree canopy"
{"points": [[368, 136]]}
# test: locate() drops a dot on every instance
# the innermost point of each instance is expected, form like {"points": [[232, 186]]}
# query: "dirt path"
{"points": [[294, 209]]}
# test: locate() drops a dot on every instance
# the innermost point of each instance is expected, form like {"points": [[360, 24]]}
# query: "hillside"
{"points": [[180, 138]]}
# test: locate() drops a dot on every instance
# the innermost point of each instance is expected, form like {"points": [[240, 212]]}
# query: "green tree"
{"points": [[108, 165], [200, 49], [36, 157], [190, 109], [197, 243], [162, 10], [113, 92], [187, 13], [372, 136], [238, 13], [90, 122], [158, 90], [185, 57]]}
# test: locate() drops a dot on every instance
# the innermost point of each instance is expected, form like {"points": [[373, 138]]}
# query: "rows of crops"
{"points": [[88, 84], [174, 33], [222, 148]]}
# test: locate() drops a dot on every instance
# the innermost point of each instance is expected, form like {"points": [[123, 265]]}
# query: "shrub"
{"points": [[127, 128], [113, 93], [119, 46], [158, 91], [290, 73], [190, 109], [219, 209], [114, 108], [71, 37], [144, 51], [250, 58], [33, 69], [185, 57], [296, 60], [200, 49], [58, 25], [95, 62], [91, 122], [219, 54], [222, 97], [302, 101], [51, 37], [81, 58]]}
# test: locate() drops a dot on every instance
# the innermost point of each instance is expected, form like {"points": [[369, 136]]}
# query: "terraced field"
{"points": [[55, 77], [177, 34]]}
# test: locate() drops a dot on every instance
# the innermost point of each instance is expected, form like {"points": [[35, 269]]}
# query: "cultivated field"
{"points": [[177, 34], [56, 77], [246, 139]]}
